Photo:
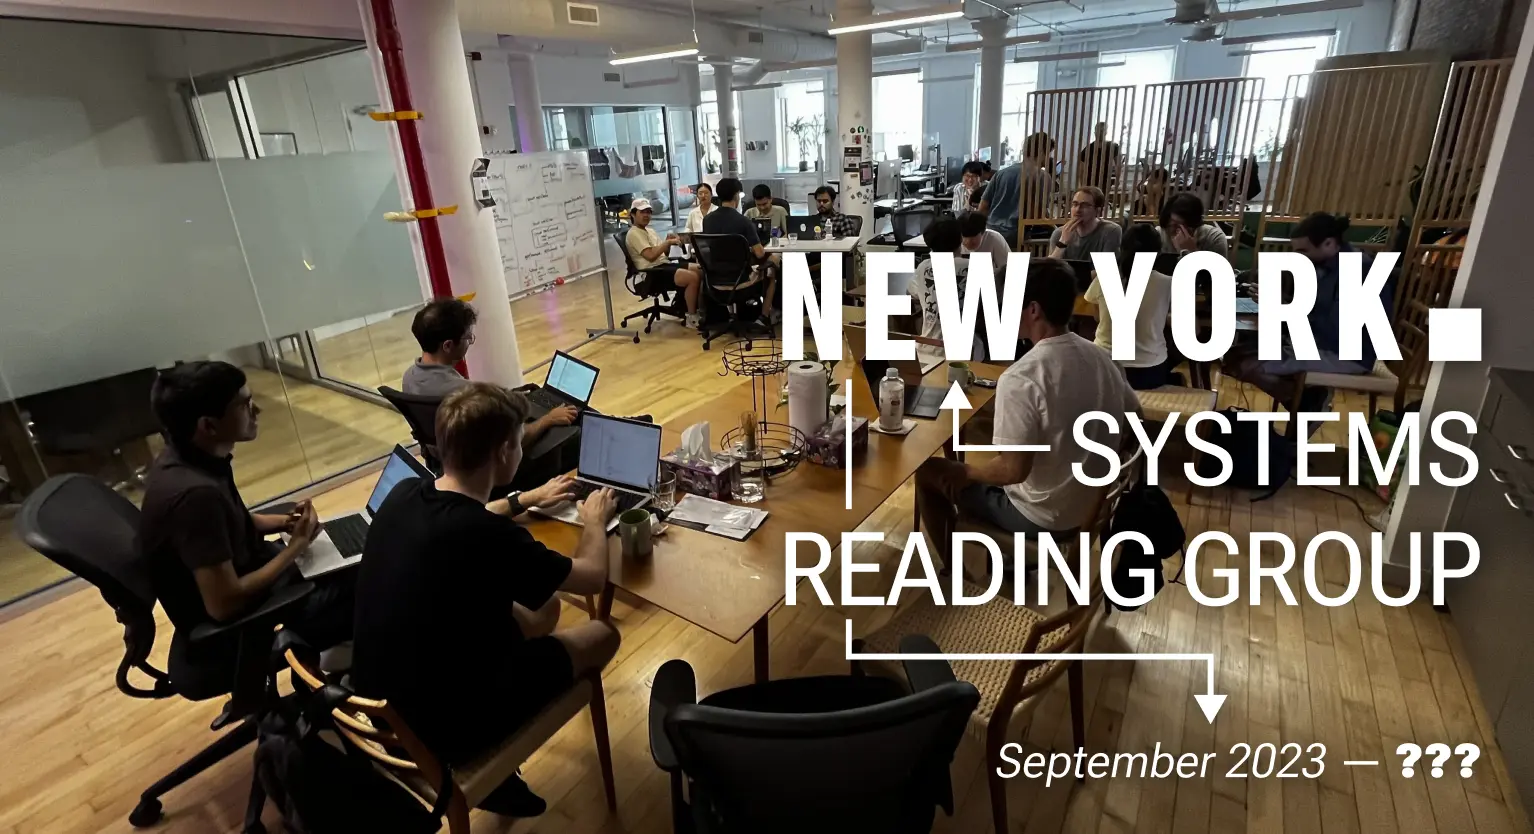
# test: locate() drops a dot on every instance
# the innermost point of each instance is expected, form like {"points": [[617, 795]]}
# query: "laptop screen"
{"points": [[396, 470], [619, 451], [571, 377]]}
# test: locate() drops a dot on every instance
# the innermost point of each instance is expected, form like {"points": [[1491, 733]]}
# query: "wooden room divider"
{"points": [[1069, 119]]}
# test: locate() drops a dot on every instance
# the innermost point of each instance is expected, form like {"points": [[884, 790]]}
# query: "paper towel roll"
{"points": [[808, 397]]}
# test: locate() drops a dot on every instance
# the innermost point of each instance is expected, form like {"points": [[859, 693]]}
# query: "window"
{"points": [[1274, 62], [801, 105], [897, 114], [1138, 68], [708, 125], [1018, 80]]}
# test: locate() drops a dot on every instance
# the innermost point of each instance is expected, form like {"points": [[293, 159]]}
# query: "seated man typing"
{"points": [[1038, 400], [763, 208], [456, 610], [206, 553]]}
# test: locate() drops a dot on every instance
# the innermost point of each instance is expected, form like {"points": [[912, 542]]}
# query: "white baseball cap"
{"points": [[639, 204]]}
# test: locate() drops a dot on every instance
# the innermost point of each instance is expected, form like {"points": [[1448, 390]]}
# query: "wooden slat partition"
{"points": [[1203, 135], [1354, 137], [1447, 189], [1069, 119]]}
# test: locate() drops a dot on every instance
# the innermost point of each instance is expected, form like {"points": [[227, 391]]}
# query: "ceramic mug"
{"points": [[959, 372], [634, 534]]}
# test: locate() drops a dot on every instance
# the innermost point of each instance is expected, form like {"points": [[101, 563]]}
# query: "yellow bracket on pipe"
{"points": [[417, 214], [395, 115]]}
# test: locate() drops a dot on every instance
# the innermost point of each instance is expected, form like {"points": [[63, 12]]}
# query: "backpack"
{"points": [[321, 784], [1241, 444], [1145, 509]]}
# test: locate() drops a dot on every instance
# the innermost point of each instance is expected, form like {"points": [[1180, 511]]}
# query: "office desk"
{"points": [[729, 588], [842, 245]]}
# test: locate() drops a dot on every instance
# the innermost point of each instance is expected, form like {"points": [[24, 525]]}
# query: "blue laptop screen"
{"points": [[571, 377], [396, 470]]}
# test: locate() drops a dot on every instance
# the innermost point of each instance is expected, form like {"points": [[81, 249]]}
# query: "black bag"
{"points": [[1241, 445], [322, 788], [1145, 509]]}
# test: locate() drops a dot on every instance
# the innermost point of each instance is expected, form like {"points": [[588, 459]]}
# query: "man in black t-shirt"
{"points": [[726, 219], [455, 603]]}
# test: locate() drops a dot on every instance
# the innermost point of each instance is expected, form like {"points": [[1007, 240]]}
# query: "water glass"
{"points": [[751, 486], [663, 497]]}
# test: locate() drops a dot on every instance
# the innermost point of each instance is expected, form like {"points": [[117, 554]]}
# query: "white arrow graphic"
{"points": [[1210, 703], [955, 401]]}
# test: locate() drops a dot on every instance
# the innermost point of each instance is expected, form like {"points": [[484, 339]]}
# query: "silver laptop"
{"points": [[340, 541], [623, 455]]}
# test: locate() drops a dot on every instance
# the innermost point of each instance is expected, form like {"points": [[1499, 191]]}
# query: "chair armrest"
{"points": [[924, 674], [279, 602], [675, 684]]}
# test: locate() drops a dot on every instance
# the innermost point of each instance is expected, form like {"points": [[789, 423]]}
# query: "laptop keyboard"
{"points": [[348, 534], [624, 501], [542, 397]]}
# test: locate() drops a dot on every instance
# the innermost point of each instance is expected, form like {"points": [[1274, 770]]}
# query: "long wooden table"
{"points": [[729, 588]]}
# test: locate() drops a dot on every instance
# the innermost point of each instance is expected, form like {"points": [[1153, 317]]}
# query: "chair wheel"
{"points": [[636, 338], [647, 328], [147, 813], [623, 324]]}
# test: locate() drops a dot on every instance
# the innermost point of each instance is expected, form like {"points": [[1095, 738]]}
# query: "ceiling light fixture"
{"points": [[1058, 56], [1277, 36], [895, 20], [1243, 53], [970, 46], [662, 53]]}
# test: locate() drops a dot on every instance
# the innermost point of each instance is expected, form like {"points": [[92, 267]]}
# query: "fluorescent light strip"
{"points": [[888, 73], [1243, 53], [678, 51], [970, 46], [895, 20], [1285, 10], [1277, 36], [1059, 56]]}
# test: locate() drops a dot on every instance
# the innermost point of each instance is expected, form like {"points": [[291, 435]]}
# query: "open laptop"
{"points": [[763, 228], [623, 455], [340, 541], [920, 401], [570, 382], [802, 226]]}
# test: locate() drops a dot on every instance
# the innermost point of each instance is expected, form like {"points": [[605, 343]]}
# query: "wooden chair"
{"points": [[1011, 691], [375, 729], [1159, 403]]}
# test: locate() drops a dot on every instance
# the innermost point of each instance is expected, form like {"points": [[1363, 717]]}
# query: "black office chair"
{"points": [[910, 224], [811, 755], [641, 284], [779, 201], [420, 414], [95, 418], [729, 285], [857, 225], [83, 526]]}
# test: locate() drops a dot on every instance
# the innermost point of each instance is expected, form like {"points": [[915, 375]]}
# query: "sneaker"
{"points": [[693, 321], [513, 798]]}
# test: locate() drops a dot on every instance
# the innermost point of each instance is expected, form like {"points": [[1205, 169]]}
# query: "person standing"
{"points": [[1024, 188]]}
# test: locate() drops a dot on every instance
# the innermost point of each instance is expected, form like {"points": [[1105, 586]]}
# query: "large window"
{"points": [[1274, 62], [801, 126], [708, 125], [897, 114], [1134, 69], [1018, 81]]}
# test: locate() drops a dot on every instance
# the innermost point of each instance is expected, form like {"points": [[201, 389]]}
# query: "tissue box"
{"points": [[701, 477], [827, 449]]}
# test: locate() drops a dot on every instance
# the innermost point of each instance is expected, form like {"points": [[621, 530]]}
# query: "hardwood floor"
{"points": [[1360, 678]]}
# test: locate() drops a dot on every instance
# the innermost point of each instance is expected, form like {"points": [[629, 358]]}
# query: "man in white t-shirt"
{"points": [[979, 238], [1038, 400], [942, 237]]}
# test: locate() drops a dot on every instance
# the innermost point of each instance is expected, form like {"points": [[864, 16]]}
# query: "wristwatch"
{"points": [[514, 501]]}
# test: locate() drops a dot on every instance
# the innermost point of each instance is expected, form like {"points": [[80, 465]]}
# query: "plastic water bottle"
{"points": [[891, 401]]}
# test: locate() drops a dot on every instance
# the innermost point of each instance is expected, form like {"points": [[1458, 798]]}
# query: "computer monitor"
{"points": [[907, 153], [618, 451], [571, 377], [985, 154]]}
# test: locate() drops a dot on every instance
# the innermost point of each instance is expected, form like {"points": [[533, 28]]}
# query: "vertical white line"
{"points": [[847, 458]]}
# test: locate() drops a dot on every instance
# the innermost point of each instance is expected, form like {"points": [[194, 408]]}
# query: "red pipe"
{"points": [[387, 31]]}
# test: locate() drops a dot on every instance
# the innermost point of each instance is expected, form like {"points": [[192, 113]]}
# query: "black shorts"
{"points": [[507, 699], [662, 277]]}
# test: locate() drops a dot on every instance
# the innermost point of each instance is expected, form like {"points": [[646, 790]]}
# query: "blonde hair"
{"points": [[476, 420]]}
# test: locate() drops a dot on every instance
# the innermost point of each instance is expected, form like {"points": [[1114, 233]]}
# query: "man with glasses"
{"points": [[1086, 232]]}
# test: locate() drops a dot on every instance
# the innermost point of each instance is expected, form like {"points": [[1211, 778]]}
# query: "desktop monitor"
{"points": [[907, 153], [985, 154]]}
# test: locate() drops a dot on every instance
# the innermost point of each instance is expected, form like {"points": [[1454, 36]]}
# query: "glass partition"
{"points": [[627, 149], [173, 196]]}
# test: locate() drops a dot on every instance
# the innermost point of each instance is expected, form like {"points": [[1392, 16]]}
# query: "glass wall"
{"points": [[174, 195], [801, 126], [626, 147]]}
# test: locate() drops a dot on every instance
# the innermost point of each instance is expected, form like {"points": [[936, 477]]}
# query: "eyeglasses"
{"points": [[1088, 204]]}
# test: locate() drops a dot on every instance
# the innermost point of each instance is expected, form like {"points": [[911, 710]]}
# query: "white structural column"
{"points": [[993, 68], [531, 137], [855, 116], [439, 88], [724, 95]]}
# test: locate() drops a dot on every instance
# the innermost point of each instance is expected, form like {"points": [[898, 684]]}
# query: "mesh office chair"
{"points": [[641, 284], [95, 418], [420, 414], [729, 284], [851, 753], [83, 526]]}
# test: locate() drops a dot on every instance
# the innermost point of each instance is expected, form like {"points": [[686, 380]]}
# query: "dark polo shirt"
{"points": [[193, 517]]}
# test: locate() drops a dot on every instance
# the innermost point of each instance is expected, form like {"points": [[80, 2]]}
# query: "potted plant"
{"points": [[806, 131]]}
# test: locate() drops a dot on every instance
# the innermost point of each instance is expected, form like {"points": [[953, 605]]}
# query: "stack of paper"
{"points": [[717, 517]]}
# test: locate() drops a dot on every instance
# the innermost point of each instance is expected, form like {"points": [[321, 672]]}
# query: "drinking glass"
{"points": [[663, 497], [751, 487]]}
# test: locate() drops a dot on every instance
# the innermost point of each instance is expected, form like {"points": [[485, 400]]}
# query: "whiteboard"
{"points": [[545, 218]]}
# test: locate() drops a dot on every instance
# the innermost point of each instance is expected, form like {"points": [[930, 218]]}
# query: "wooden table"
{"points": [[729, 588]]}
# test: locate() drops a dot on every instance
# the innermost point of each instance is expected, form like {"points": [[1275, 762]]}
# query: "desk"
{"points": [[729, 588], [842, 245]]}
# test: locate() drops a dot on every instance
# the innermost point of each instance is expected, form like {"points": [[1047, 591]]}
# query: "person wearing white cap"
{"points": [[649, 251]]}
